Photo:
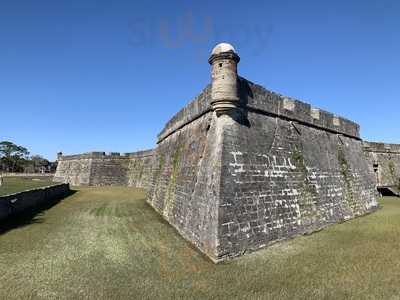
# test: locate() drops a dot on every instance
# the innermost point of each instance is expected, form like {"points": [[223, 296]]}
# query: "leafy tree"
{"points": [[12, 156], [38, 163]]}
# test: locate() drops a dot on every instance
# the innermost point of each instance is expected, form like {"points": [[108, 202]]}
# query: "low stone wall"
{"points": [[27, 174], [14, 204]]}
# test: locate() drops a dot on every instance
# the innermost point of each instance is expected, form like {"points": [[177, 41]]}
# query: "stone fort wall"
{"points": [[99, 168], [241, 167], [278, 169], [187, 179], [384, 161]]}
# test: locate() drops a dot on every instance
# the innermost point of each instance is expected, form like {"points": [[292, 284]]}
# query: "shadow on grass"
{"points": [[31, 216]]}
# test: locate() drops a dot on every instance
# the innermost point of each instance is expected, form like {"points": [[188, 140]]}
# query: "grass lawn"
{"points": [[18, 184], [107, 243]]}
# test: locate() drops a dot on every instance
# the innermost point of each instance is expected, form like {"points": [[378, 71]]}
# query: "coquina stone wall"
{"points": [[384, 162], [275, 169], [187, 178], [288, 169], [14, 204], [98, 168], [74, 169], [140, 169]]}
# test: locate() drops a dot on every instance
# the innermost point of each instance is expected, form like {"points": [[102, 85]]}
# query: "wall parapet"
{"points": [[381, 147], [143, 153], [195, 109], [12, 174], [104, 155], [257, 99]]}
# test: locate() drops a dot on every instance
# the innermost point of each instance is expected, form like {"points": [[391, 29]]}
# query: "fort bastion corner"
{"points": [[241, 167]]}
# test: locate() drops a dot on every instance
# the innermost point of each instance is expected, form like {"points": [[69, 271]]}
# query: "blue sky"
{"points": [[91, 75]]}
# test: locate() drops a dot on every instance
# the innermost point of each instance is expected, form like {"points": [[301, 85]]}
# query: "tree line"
{"points": [[15, 158]]}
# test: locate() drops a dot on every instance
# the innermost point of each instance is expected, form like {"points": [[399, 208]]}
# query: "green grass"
{"points": [[107, 243], [18, 184]]}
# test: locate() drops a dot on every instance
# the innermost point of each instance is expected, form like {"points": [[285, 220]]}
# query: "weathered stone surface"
{"points": [[74, 169], [281, 178], [195, 109], [140, 169], [97, 169], [186, 181], [14, 204], [224, 91], [271, 172], [258, 99], [384, 162]]}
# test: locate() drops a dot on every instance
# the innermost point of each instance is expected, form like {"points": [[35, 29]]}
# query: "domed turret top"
{"points": [[222, 47]]}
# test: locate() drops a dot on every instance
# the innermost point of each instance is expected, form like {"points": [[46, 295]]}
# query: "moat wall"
{"points": [[28, 201]]}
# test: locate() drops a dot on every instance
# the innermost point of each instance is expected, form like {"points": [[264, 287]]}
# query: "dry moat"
{"points": [[107, 242]]}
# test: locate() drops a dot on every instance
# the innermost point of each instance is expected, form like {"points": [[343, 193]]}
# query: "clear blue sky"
{"points": [[90, 75]]}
